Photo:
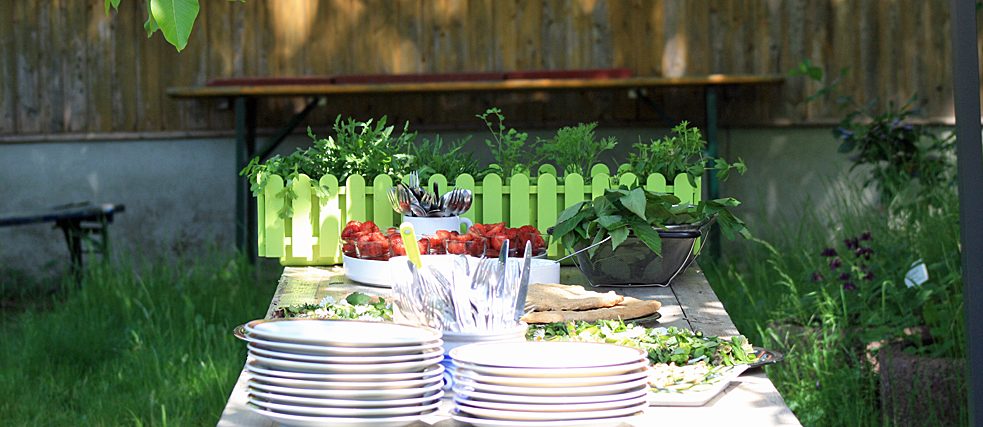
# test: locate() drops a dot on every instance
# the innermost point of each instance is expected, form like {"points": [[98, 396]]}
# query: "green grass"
{"points": [[825, 378], [152, 347]]}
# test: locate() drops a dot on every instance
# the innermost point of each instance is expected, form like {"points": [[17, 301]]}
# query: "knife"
{"points": [[520, 299]]}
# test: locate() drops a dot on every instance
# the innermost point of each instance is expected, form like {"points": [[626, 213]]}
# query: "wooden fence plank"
{"points": [[598, 184], [656, 182], [8, 70], [260, 224], [26, 39]]}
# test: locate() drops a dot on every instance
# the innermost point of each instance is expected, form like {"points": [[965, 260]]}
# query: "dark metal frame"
{"points": [[969, 157]]}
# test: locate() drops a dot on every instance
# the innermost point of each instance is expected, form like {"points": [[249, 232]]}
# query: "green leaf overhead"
{"points": [[175, 18], [150, 26]]}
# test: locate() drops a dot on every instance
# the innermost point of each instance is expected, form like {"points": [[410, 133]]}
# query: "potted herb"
{"points": [[652, 235], [680, 152]]}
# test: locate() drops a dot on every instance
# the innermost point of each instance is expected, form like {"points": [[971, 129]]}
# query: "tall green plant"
{"points": [[507, 145], [575, 148], [429, 157], [682, 151]]}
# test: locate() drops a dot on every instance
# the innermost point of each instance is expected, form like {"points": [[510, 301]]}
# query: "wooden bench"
{"points": [[85, 226], [688, 303], [244, 93]]}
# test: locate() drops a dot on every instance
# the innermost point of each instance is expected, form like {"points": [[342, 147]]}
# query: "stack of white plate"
{"points": [[343, 373], [538, 384]]}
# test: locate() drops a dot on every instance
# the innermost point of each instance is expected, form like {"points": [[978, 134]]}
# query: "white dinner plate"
{"points": [[337, 368], [309, 421], [345, 385], [547, 355], [323, 350], [345, 412], [553, 391], [511, 398], [598, 371], [597, 422], [553, 407], [549, 382], [253, 366], [345, 359], [340, 333], [363, 394], [496, 414], [315, 402]]}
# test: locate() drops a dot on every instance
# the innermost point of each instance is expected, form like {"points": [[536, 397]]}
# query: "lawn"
{"points": [[147, 348]]}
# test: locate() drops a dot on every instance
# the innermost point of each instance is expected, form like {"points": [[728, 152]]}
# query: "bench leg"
{"points": [[245, 117], [73, 238]]}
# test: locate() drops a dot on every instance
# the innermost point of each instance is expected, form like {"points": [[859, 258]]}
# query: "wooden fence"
{"points": [[311, 234], [65, 67]]}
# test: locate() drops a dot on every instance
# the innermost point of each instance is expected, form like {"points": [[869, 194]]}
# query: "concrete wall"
{"points": [[180, 195]]}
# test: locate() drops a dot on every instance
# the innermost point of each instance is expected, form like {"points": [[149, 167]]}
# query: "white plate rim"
{"points": [[481, 355], [342, 385], [435, 371], [481, 422], [352, 412], [549, 382], [553, 373], [313, 402], [554, 391], [553, 407], [344, 359], [328, 368], [493, 415], [326, 393], [254, 328], [505, 398], [341, 351], [315, 420]]}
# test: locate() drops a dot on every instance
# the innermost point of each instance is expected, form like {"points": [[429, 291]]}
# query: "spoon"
{"points": [[405, 195], [409, 242]]}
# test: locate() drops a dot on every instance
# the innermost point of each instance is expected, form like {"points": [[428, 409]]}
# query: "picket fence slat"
{"points": [[274, 225], [301, 228], [520, 205], [313, 234], [329, 220], [546, 205], [261, 224], [490, 211], [382, 211]]}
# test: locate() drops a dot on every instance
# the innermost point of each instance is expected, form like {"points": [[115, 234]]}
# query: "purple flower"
{"points": [[817, 277], [866, 236], [869, 276], [829, 252], [835, 263], [844, 277], [849, 286], [864, 252], [853, 243]]}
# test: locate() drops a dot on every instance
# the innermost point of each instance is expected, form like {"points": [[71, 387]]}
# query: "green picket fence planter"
{"points": [[312, 235]]}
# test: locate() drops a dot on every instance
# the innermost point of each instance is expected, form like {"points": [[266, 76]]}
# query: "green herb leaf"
{"points": [[646, 233], [358, 298], [618, 236], [635, 202]]}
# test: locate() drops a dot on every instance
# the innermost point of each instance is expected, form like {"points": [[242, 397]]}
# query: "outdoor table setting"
{"points": [[451, 328]]}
